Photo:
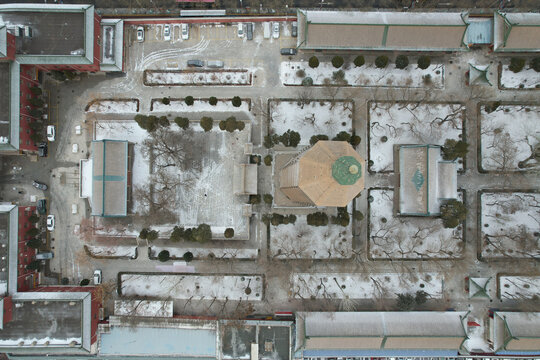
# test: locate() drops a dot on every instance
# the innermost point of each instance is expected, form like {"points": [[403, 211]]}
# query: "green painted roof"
{"points": [[346, 170]]}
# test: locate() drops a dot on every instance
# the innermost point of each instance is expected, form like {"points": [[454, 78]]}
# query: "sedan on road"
{"points": [[39, 185], [275, 30], [140, 34], [185, 31], [288, 51], [51, 132], [97, 277], [50, 222], [167, 32]]}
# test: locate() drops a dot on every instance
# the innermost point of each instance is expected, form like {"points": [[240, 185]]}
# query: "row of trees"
{"points": [[201, 234], [517, 64], [190, 100], [290, 138], [402, 61], [151, 123], [354, 140]]}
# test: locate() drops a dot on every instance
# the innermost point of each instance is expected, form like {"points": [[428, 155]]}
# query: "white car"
{"points": [[275, 30], [240, 30], [51, 132], [167, 32], [50, 222], [140, 34], [97, 277], [185, 31]]}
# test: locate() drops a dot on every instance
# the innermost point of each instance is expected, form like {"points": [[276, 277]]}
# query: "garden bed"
{"points": [[197, 77], [510, 225], [311, 117], [509, 133], [200, 253], [113, 106], [199, 105], [367, 75], [393, 123], [526, 79], [363, 286], [519, 287], [400, 237]]}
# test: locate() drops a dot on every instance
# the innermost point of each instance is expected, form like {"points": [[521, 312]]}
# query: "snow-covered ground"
{"points": [[363, 286], [408, 237], [213, 156], [365, 75], [208, 77], [508, 136], [143, 308], [525, 79], [196, 287], [302, 241], [410, 123], [46, 341], [519, 287], [120, 106], [198, 106], [510, 225], [113, 251], [206, 253], [315, 118]]}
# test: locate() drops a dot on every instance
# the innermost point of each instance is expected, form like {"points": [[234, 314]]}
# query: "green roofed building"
{"points": [[109, 179], [515, 332], [425, 180], [518, 32], [358, 30]]}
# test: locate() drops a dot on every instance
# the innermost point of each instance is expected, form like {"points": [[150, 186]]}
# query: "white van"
{"points": [[267, 30]]}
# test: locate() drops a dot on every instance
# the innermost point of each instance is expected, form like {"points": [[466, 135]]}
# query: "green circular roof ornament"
{"points": [[346, 170]]}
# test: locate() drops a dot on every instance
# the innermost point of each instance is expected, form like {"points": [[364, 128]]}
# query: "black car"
{"points": [[294, 31], [42, 206], [288, 51], [195, 63], [42, 149], [249, 31]]}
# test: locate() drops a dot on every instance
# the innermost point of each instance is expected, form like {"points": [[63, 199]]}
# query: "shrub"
{"points": [[164, 256], [426, 79], [32, 232], [255, 199], [355, 140], [342, 136], [177, 234], [535, 64], [70, 75], [189, 100], [236, 101], [405, 302], [381, 61], [337, 61], [58, 75], [36, 125], [255, 159], [34, 265], [291, 218], [229, 233], [290, 138], [268, 199], [65, 281], [359, 61], [402, 61], [339, 77], [268, 160], [34, 243], [423, 62], [313, 62], [270, 141], [420, 297], [182, 122], [207, 123], [148, 123], [36, 113], [300, 73], [516, 64], [453, 149], [152, 235], [201, 233], [165, 101], [316, 138], [358, 216], [36, 137], [188, 256], [317, 219], [212, 100], [307, 81], [84, 282], [144, 233], [277, 219], [36, 90], [231, 124], [452, 213], [164, 121], [492, 106], [37, 102], [33, 218], [342, 217]]}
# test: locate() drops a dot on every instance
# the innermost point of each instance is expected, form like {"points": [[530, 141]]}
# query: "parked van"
{"points": [[44, 256], [267, 30]]}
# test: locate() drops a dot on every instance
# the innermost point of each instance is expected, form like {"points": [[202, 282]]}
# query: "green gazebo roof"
{"points": [[346, 170]]}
